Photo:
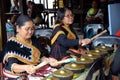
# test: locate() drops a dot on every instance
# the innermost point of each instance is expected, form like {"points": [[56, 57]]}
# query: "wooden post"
{"points": [[2, 23]]}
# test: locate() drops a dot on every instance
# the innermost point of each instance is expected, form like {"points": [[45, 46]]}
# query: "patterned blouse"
{"points": [[20, 52]]}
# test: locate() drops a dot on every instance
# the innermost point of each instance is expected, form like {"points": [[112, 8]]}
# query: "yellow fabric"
{"points": [[56, 36], [57, 25], [70, 35]]}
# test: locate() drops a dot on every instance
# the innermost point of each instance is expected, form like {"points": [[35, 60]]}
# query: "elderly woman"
{"points": [[22, 52], [63, 37]]}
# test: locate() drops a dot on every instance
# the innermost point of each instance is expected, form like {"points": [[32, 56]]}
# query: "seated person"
{"points": [[35, 13], [23, 52], [94, 16], [15, 8], [63, 36]]}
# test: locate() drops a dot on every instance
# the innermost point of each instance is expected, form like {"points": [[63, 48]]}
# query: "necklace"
{"points": [[29, 41]]}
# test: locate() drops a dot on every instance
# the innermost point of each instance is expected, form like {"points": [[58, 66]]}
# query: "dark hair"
{"points": [[61, 14], [22, 19], [98, 3]]}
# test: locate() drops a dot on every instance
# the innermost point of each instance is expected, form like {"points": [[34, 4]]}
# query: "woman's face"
{"points": [[68, 18], [94, 4], [27, 30]]}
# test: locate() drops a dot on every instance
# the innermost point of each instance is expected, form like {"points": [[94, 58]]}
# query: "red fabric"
{"points": [[118, 33], [42, 71], [115, 77]]}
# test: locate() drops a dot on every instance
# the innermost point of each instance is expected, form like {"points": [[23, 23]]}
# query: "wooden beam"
{"points": [[0, 30]]}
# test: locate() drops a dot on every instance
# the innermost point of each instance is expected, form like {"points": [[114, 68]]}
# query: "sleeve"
{"points": [[99, 14], [11, 61], [115, 67], [64, 41], [87, 15]]}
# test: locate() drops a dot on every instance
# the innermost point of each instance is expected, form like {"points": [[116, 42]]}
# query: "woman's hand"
{"points": [[45, 60], [53, 62], [85, 41], [30, 69]]}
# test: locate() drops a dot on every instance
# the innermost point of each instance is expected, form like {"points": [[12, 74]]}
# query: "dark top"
{"points": [[62, 43]]}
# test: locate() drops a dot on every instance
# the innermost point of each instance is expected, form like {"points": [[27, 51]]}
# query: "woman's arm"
{"points": [[64, 41], [30, 69], [13, 64]]}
